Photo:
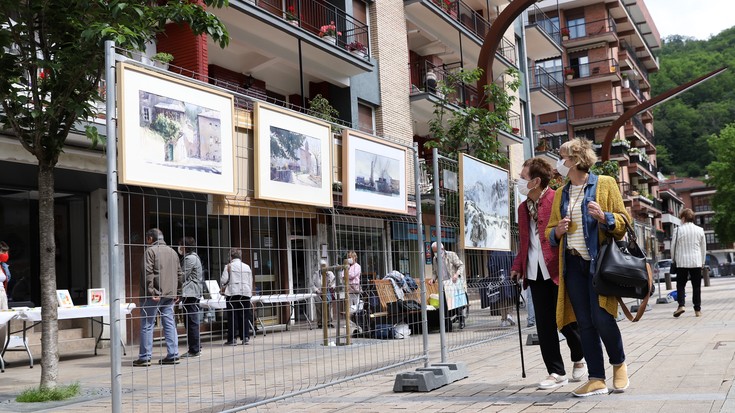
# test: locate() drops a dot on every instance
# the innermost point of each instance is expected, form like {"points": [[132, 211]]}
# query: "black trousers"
{"points": [[239, 317], [191, 320], [682, 276], [544, 294]]}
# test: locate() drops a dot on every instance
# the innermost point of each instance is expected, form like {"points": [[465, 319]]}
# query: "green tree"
{"points": [[722, 177], [51, 64], [472, 129]]}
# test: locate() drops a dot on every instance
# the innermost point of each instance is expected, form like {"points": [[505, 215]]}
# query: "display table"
{"points": [[32, 316], [5, 317], [219, 302]]}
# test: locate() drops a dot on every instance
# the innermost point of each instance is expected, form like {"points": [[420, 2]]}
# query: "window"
{"points": [[553, 67], [576, 28], [581, 64], [702, 204], [365, 118], [146, 114]]}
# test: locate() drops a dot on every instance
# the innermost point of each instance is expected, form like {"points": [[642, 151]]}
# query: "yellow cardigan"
{"points": [[608, 196]]}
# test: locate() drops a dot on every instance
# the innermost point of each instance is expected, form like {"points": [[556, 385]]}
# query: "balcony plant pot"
{"points": [[330, 39], [570, 77], [294, 23], [359, 53], [626, 82]]}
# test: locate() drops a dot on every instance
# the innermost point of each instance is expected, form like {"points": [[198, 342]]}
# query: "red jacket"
{"points": [[551, 254]]}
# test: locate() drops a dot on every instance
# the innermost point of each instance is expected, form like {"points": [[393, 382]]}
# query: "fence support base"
{"points": [[532, 340], [426, 379]]}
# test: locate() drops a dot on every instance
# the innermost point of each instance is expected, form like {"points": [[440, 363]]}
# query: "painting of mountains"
{"points": [[485, 216]]}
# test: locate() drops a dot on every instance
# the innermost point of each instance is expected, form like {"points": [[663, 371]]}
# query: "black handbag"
{"points": [[622, 271]]}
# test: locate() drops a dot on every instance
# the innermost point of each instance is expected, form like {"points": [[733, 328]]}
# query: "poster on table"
{"points": [[485, 214], [373, 173], [293, 157], [96, 296], [174, 134], [64, 298]]}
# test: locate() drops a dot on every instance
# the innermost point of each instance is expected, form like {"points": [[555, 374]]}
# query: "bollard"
{"points": [[705, 275], [667, 277]]}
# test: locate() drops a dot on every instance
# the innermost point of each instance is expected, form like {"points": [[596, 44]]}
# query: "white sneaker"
{"points": [[554, 381], [504, 323], [510, 320], [579, 372]]}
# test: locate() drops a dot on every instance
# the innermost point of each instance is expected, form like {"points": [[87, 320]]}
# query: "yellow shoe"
{"points": [[591, 388], [620, 378]]}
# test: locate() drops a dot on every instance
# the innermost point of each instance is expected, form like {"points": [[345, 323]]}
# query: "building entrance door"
{"points": [[299, 270]]}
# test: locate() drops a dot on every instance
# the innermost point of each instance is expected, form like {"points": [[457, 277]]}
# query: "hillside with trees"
{"points": [[683, 125]]}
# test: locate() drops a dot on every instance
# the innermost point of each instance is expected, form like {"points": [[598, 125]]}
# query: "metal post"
{"points": [[420, 239], [439, 261], [112, 220]]}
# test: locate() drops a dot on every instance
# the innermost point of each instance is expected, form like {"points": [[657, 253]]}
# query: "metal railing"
{"points": [[508, 50], [640, 127], [312, 15], [428, 76], [538, 77], [466, 16], [593, 28], [598, 109], [596, 68], [631, 52], [537, 17], [548, 142]]}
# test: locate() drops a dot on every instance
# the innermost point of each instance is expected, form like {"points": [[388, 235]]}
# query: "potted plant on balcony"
{"points": [[291, 15], [162, 60], [357, 48], [329, 32], [626, 80], [569, 73], [449, 7], [564, 33]]}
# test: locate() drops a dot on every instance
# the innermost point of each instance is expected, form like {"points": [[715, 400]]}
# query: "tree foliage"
{"points": [[51, 65], [683, 125], [722, 177], [472, 129]]}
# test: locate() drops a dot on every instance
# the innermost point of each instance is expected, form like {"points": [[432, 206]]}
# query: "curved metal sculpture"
{"points": [[492, 40], [619, 122]]}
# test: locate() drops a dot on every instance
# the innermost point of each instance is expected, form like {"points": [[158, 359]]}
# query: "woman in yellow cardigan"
{"points": [[587, 210]]}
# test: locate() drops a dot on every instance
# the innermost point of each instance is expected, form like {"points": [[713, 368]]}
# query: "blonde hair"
{"points": [[579, 151], [352, 254]]}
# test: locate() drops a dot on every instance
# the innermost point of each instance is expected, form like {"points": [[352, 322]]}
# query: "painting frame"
{"points": [[305, 177], [471, 171], [64, 299], [356, 148], [199, 153], [96, 297]]}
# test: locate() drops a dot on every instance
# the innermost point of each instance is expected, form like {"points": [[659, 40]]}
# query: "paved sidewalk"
{"points": [[675, 365]]}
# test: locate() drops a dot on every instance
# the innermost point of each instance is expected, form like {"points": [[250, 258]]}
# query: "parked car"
{"points": [[661, 268]]}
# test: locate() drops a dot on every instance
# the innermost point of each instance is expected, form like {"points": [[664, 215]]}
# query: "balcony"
{"points": [[543, 39], [635, 127], [424, 94], [595, 112], [594, 72], [547, 91], [632, 93], [548, 144], [634, 26], [643, 166], [265, 43], [583, 35], [629, 60], [515, 134], [454, 29]]}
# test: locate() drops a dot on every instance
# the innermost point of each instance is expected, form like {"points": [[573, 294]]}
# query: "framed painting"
{"points": [[64, 298], [174, 134], [374, 173], [485, 215], [293, 157], [96, 296]]}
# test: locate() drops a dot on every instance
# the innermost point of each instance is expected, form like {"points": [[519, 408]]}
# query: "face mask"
{"points": [[350, 261], [4, 257], [523, 187], [561, 168], [181, 250]]}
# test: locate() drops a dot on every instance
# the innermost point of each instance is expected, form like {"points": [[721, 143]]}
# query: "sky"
{"points": [[694, 18]]}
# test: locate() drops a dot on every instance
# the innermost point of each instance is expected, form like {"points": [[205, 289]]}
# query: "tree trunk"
{"points": [[49, 302]]}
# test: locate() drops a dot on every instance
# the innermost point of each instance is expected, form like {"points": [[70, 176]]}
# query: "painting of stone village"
{"points": [[179, 134], [377, 174], [295, 158]]}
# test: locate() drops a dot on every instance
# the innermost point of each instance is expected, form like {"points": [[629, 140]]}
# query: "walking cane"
{"points": [[517, 287]]}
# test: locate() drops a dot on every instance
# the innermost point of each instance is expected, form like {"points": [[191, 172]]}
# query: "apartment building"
{"points": [[604, 65]]}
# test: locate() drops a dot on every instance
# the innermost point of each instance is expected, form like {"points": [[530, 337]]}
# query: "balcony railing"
{"points": [[540, 19], [551, 82], [593, 28], [634, 88], [311, 15], [638, 125], [598, 109], [507, 49], [631, 52], [429, 75], [597, 68], [465, 15], [547, 142]]}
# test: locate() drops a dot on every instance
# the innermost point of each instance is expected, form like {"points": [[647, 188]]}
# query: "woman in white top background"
{"points": [[688, 250]]}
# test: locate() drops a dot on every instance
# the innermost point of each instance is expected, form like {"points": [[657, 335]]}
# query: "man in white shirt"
{"points": [[689, 251]]}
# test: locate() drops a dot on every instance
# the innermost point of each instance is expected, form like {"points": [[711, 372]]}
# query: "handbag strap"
{"points": [[676, 245], [644, 303]]}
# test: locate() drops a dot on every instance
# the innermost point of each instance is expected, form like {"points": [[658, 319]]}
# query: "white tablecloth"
{"points": [[82, 311], [220, 302], [7, 315]]}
